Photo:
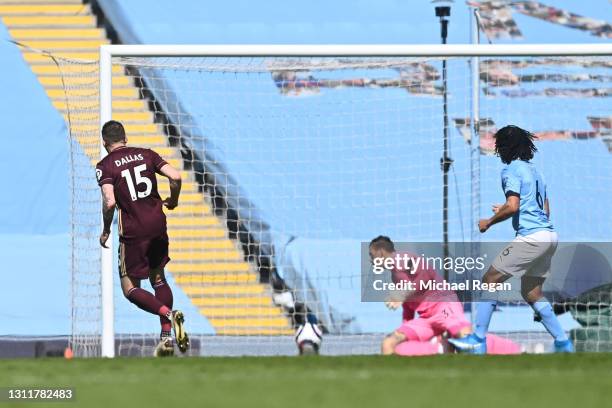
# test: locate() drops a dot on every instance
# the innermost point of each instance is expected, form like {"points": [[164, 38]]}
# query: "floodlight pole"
{"points": [[445, 162]]}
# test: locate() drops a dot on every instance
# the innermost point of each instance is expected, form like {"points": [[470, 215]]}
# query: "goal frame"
{"points": [[474, 51]]}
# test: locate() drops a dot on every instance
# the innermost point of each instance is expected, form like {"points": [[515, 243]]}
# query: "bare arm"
{"points": [[174, 177], [108, 211], [502, 213], [547, 208]]}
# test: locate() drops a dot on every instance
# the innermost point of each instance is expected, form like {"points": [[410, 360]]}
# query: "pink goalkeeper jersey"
{"points": [[423, 301]]}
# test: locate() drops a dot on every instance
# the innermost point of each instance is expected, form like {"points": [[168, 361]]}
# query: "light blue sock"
{"points": [[549, 320], [484, 311]]}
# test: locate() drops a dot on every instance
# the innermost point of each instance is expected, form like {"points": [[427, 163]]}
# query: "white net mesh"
{"points": [[73, 87], [290, 163]]}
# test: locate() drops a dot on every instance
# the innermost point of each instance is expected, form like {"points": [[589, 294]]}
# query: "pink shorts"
{"points": [[447, 317]]}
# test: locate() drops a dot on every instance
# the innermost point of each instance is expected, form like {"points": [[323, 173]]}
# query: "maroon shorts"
{"points": [[136, 259]]}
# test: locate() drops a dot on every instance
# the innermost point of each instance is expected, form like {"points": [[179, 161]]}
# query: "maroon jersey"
{"points": [[131, 171]]}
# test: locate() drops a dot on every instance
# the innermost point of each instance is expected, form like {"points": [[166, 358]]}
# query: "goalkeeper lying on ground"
{"points": [[438, 311]]}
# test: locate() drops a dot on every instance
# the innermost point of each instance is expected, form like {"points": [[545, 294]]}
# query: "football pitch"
{"points": [[579, 380]]}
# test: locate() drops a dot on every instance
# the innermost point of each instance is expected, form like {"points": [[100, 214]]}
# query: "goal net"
{"points": [[291, 164]]}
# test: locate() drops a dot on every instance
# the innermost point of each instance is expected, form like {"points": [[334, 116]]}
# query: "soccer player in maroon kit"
{"points": [[127, 177]]}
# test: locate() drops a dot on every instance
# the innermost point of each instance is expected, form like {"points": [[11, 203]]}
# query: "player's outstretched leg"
{"points": [[531, 288], [148, 302], [163, 293], [476, 342], [182, 339], [143, 299]]}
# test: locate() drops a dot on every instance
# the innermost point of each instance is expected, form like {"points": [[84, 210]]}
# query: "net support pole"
{"points": [[108, 329], [475, 145], [475, 130]]}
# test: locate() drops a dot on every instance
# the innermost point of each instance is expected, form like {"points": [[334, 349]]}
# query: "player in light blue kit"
{"points": [[529, 254]]}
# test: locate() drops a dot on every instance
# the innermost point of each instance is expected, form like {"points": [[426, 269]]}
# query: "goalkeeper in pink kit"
{"points": [[439, 311]]}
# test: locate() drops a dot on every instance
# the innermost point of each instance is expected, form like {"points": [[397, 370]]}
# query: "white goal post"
{"points": [[466, 51]]}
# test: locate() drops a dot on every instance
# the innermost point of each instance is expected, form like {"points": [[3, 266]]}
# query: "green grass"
{"points": [[579, 380]]}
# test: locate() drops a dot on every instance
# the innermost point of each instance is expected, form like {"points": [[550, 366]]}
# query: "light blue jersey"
{"points": [[523, 179]]}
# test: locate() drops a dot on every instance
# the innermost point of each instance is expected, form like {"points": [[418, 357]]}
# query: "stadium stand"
{"points": [[35, 202], [70, 30]]}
